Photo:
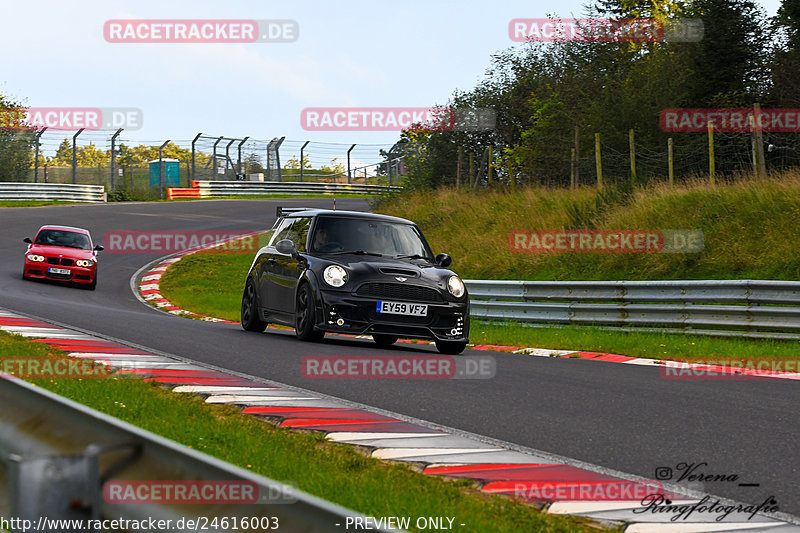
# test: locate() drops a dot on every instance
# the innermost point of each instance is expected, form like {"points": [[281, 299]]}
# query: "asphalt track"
{"points": [[624, 417]]}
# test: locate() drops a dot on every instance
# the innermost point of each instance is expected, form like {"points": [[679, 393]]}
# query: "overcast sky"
{"points": [[349, 53]]}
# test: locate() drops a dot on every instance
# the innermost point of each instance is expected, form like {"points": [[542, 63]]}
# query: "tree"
{"points": [[16, 143]]}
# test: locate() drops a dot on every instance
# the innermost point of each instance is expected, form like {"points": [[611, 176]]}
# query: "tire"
{"points": [[249, 312], [451, 347], [382, 339], [305, 316], [93, 285]]}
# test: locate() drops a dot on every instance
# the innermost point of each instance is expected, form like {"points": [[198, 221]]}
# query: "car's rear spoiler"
{"points": [[283, 211]]}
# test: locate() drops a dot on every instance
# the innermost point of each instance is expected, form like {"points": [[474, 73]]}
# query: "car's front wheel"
{"points": [[93, 285], [249, 316], [305, 316], [451, 347]]}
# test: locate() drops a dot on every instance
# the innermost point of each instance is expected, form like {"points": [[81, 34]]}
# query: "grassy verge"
{"points": [[335, 472], [211, 284], [33, 203], [748, 227]]}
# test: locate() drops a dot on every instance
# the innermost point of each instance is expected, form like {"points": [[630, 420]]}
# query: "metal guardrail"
{"points": [[746, 308], [56, 456], [239, 188], [52, 191]]}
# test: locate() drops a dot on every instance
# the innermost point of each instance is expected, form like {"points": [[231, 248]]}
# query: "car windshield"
{"points": [[69, 239], [368, 237]]}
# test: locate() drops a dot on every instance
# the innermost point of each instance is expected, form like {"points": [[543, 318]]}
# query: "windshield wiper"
{"points": [[413, 256], [357, 252]]}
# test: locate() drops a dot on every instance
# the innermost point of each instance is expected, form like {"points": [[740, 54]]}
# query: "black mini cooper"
{"points": [[355, 273]]}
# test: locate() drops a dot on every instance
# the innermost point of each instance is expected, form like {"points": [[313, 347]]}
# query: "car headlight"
{"points": [[84, 262], [456, 286], [35, 258], [335, 276]]}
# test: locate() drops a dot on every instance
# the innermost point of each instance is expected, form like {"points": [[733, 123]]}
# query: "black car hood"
{"points": [[371, 267]]}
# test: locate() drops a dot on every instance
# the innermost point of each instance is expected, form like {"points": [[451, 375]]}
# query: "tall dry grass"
{"points": [[750, 228]]}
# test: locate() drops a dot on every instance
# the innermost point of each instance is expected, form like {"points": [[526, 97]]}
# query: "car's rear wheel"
{"points": [[451, 347], [249, 315], [382, 339], [305, 316]]}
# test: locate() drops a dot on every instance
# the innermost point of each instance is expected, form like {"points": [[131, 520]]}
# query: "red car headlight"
{"points": [[84, 263], [35, 258]]}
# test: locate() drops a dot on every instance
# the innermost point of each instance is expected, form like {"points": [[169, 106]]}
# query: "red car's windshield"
{"points": [[69, 239]]}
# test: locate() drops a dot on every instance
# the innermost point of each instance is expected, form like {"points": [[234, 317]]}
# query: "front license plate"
{"points": [[401, 308], [58, 270]]}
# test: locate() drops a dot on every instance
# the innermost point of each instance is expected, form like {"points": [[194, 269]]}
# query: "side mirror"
{"points": [[286, 247], [443, 260], [99, 247], [28, 240]]}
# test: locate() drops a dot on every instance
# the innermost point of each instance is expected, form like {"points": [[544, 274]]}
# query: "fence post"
{"points": [[239, 152], [577, 154], [598, 161], [193, 143], [711, 162], [762, 164], [511, 175], [162, 177], [458, 166], [490, 167], [302, 161], [114, 160], [572, 166], [472, 170], [632, 148], [75, 156], [214, 167], [36, 160], [671, 163], [348, 163]]}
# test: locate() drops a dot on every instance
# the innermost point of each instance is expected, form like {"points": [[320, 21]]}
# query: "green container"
{"points": [[172, 173]]}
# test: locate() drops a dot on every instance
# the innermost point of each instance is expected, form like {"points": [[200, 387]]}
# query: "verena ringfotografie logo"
{"points": [[200, 31], [625, 241], [637, 30], [396, 119], [730, 120], [71, 118], [165, 242], [398, 367]]}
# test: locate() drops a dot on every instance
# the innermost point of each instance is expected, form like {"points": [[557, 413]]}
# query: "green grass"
{"points": [[33, 203], [749, 228], [651, 345], [335, 472]]}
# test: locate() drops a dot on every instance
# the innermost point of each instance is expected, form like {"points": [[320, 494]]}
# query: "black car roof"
{"points": [[347, 214]]}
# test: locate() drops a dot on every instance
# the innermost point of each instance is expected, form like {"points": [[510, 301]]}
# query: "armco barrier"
{"points": [[740, 308], [52, 191], [212, 189], [56, 455]]}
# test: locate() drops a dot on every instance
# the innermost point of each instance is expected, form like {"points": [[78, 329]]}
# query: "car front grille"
{"points": [[399, 291], [64, 261]]}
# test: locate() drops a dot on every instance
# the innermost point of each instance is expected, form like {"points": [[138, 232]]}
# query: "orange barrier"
{"points": [[173, 193]]}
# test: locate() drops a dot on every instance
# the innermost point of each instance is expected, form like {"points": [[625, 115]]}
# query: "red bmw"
{"points": [[62, 253]]}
